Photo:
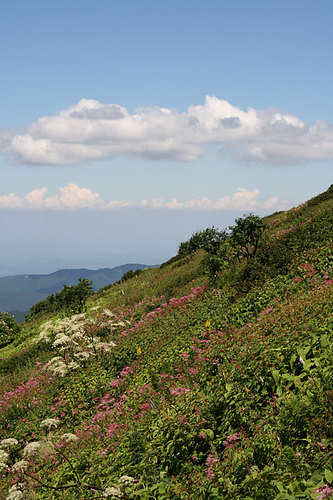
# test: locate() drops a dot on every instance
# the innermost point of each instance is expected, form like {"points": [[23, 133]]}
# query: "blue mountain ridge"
{"points": [[18, 293]]}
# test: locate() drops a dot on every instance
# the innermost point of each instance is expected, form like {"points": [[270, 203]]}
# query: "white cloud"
{"points": [[11, 201], [74, 197], [91, 130], [70, 196]]}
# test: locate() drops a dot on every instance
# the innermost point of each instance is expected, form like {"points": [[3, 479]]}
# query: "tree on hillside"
{"points": [[74, 297], [208, 239], [71, 298], [245, 235], [9, 329]]}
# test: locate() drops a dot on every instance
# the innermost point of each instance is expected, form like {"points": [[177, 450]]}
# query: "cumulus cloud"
{"points": [[70, 196], [91, 130], [74, 197]]}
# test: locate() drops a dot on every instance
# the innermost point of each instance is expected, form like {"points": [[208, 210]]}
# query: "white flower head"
{"points": [[73, 365], [112, 493], [105, 347], [78, 317], [107, 312], [8, 442], [3, 456], [126, 480], [15, 495], [20, 466], [15, 492], [68, 436], [82, 355], [61, 339], [77, 335], [58, 367], [44, 336], [31, 448], [49, 423]]}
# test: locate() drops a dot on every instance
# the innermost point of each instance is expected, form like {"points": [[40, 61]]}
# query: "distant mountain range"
{"points": [[19, 293]]}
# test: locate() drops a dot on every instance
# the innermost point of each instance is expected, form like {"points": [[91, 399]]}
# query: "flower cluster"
{"points": [[75, 340]]}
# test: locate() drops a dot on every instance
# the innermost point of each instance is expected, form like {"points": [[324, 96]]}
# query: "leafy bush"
{"points": [[70, 299], [9, 329], [208, 239], [130, 274], [245, 235]]}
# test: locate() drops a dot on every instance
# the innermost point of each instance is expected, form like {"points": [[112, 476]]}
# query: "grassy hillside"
{"points": [[176, 385]]}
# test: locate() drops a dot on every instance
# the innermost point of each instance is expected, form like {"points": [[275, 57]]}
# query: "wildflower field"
{"points": [[175, 384]]}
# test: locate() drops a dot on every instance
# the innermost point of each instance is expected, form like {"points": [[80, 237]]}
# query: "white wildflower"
{"points": [[73, 365], [3, 456], [58, 367], [3, 466], [15, 492], [31, 448], [126, 480], [104, 346], [77, 335], [107, 312], [82, 355], [78, 317], [8, 442], [48, 325], [20, 466], [44, 336], [112, 492], [77, 328], [15, 495], [61, 339], [49, 423], [68, 436]]}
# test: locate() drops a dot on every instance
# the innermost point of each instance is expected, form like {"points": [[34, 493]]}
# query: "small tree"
{"points": [[75, 297], [9, 329], [246, 234], [209, 239]]}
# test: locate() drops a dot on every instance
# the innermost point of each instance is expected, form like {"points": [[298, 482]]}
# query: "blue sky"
{"points": [[111, 150]]}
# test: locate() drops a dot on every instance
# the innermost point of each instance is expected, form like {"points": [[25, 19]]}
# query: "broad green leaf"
{"points": [[329, 475], [276, 375]]}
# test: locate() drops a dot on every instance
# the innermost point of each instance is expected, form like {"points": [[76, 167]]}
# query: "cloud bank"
{"points": [[74, 197], [91, 130]]}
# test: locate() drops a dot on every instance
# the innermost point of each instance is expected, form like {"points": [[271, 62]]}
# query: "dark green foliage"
{"points": [[212, 265], [74, 297], [327, 195], [131, 274], [70, 299], [208, 239], [276, 254], [245, 235], [177, 258], [9, 329]]}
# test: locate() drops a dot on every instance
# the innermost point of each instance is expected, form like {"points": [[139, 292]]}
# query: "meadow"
{"points": [[180, 382]]}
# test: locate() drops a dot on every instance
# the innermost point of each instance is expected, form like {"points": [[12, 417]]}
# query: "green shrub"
{"points": [[9, 329], [208, 239]]}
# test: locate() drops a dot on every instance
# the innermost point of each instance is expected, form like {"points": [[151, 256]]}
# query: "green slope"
{"points": [[168, 388]]}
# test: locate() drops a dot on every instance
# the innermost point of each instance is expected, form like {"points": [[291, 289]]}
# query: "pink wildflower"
{"points": [[324, 491]]}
